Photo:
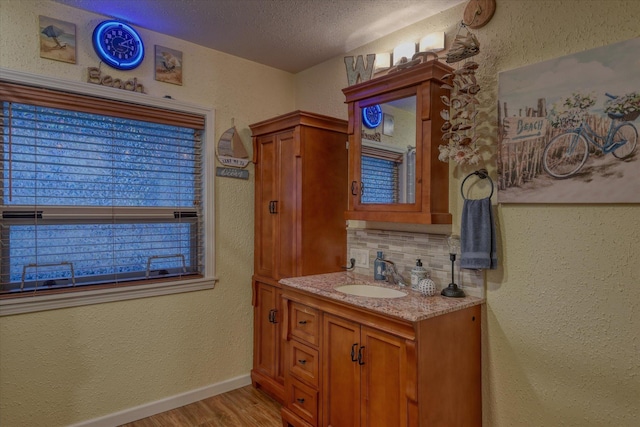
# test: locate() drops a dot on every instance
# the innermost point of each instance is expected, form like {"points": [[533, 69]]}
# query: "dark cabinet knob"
{"points": [[302, 322], [302, 361], [300, 400]]}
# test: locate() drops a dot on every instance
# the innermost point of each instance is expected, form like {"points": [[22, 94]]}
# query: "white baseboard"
{"points": [[166, 404]]}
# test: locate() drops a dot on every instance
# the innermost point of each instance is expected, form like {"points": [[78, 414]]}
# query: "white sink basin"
{"points": [[370, 291]]}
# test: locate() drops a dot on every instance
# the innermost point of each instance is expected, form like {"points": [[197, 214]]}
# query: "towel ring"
{"points": [[482, 174]]}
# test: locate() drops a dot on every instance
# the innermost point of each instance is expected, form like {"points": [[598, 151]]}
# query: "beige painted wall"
{"points": [[65, 366], [561, 330]]}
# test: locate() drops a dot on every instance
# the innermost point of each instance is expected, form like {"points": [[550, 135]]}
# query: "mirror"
{"points": [[388, 152], [411, 101]]}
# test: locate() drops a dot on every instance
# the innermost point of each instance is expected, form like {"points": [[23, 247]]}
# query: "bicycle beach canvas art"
{"points": [[568, 128]]}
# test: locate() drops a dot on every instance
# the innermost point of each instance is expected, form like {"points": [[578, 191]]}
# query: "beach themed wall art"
{"points": [[568, 128], [168, 65], [57, 39]]}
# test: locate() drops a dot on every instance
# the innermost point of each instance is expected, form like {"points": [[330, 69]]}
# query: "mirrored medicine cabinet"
{"points": [[394, 133]]}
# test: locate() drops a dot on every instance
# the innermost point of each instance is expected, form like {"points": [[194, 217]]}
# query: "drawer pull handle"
{"points": [[303, 322], [300, 400], [302, 361], [353, 352], [361, 356]]}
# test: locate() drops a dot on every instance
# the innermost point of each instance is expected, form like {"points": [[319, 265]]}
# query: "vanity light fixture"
{"points": [[404, 50], [433, 42], [383, 61]]}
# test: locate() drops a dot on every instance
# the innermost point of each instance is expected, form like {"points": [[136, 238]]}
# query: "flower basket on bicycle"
{"points": [[625, 108], [628, 117]]}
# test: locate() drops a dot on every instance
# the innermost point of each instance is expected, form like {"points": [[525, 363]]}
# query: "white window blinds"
{"points": [[97, 192], [379, 169]]}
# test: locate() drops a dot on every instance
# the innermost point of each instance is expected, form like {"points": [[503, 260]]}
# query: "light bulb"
{"points": [[404, 50], [433, 42]]}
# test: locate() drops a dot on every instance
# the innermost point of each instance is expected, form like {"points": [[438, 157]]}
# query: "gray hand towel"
{"points": [[478, 235]]}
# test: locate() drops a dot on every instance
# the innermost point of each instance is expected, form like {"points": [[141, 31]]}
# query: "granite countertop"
{"points": [[413, 307]]}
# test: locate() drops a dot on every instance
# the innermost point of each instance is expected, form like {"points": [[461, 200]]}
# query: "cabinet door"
{"points": [[416, 187], [286, 207], [384, 392], [266, 195], [267, 336], [341, 378]]}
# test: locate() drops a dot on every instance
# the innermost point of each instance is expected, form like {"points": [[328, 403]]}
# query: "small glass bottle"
{"points": [[417, 273], [379, 267]]}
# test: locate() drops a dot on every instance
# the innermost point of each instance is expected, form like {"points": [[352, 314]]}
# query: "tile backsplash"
{"points": [[403, 248]]}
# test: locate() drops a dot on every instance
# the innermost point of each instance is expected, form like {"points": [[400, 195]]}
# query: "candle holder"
{"points": [[453, 291]]}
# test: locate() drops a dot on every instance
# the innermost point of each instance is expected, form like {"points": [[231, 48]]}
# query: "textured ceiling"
{"points": [[290, 35]]}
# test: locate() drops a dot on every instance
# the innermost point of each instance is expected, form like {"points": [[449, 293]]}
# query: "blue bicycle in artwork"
{"points": [[566, 153]]}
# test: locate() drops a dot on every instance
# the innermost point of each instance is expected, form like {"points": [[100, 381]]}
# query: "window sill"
{"points": [[33, 304]]}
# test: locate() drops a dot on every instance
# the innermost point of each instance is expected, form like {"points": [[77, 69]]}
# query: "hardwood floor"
{"points": [[244, 407]]}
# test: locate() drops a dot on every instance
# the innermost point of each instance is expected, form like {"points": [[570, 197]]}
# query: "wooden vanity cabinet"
{"points": [[415, 90], [268, 364], [365, 375], [301, 175], [379, 371]]}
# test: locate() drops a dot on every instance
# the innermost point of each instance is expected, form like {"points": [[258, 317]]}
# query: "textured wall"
{"points": [[560, 345], [560, 333], [65, 366]]}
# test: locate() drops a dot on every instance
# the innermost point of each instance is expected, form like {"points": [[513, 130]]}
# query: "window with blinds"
{"points": [[379, 180], [379, 170], [97, 192]]}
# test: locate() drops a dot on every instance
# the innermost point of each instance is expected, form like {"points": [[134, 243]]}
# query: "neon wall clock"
{"points": [[118, 45], [372, 116]]}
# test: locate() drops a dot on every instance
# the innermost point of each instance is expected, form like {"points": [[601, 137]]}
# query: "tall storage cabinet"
{"points": [[300, 198]]}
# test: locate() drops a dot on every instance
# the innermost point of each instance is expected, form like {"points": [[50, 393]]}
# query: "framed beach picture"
{"points": [[168, 65], [57, 39], [568, 128]]}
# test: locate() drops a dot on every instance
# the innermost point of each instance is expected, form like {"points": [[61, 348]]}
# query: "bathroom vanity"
{"points": [[402, 360]]}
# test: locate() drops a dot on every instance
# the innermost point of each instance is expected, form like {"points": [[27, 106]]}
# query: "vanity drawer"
{"points": [[304, 323], [302, 400], [303, 362]]}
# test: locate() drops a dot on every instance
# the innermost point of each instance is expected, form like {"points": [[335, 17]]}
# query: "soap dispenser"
{"points": [[379, 267], [417, 274]]}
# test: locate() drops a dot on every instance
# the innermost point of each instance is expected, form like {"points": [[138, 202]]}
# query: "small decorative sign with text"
{"points": [[232, 173]]}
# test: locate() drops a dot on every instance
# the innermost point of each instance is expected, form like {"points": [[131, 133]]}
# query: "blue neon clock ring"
{"points": [[118, 45], [372, 116]]}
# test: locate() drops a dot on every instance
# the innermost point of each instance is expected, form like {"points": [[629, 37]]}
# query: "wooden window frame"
{"points": [[168, 111]]}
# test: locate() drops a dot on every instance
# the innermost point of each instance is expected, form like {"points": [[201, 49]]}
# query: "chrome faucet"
{"points": [[392, 275]]}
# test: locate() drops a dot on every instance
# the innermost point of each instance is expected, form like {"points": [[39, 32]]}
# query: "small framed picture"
{"points": [[168, 65], [57, 39], [387, 125]]}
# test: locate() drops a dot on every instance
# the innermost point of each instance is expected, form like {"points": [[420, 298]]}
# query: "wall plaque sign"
{"points": [[232, 173]]}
